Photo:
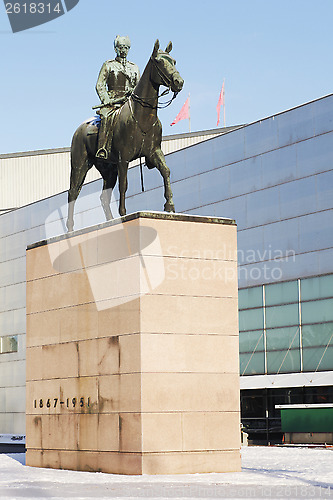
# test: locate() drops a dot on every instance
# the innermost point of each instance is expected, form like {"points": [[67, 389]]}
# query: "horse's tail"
{"points": [[80, 163], [79, 146]]}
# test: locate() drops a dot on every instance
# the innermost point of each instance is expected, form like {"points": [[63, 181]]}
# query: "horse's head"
{"points": [[164, 71]]}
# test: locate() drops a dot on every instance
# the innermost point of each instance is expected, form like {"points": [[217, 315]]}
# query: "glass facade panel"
{"points": [[7, 321], [250, 245], [2, 299], [254, 273], [7, 273], [19, 320], [298, 197], [207, 210], [3, 245], [252, 364], [185, 194], [250, 341], [315, 155], [324, 190], [8, 344], [153, 178], [227, 148], [245, 176], [154, 201], [315, 231], [317, 311], [282, 237], [250, 297], [263, 207], [18, 220], [296, 125], [279, 166], [324, 259], [198, 158], [233, 209], [281, 293], [15, 297], [317, 358], [317, 288], [41, 215], [282, 315], [213, 186], [317, 335], [283, 361], [322, 114], [251, 319], [282, 338], [93, 216], [15, 245], [261, 136]]}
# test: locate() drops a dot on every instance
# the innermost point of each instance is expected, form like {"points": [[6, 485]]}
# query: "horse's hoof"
{"points": [[169, 207], [70, 226]]}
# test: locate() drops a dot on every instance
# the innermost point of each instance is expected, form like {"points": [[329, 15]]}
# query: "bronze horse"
{"points": [[137, 132]]}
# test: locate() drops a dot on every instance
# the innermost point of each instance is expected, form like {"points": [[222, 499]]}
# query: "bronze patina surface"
{"points": [[116, 81], [136, 132]]}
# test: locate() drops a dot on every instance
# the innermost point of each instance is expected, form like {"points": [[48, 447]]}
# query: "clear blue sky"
{"points": [[274, 55]]}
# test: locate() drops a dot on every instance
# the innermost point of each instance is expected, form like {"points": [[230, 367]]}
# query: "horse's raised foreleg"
{"points": [[109, 182], [78, 174], [157, 160], [122, 182]]}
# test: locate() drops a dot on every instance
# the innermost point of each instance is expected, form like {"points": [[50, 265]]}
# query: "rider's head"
{"points": [[122, 45]]}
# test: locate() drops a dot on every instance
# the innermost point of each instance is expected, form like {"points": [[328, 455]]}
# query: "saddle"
{"points": [[94, 124]]}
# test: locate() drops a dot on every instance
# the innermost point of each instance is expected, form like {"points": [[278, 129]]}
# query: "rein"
{"points": [[167, 82], [146, 104]]}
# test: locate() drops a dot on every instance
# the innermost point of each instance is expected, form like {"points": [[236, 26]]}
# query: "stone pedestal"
{"points": [[132, 347]]}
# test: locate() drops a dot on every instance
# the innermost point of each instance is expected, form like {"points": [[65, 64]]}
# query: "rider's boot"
{"points": [[102, 153]]}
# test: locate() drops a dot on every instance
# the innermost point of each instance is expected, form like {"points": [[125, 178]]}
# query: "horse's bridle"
{"points": [[166, 81]]}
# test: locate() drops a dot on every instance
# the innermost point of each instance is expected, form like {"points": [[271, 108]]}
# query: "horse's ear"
{"points": [[156, 47], [169, 47]]}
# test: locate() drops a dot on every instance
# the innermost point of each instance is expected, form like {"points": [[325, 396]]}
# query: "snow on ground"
{"points": [[267, 472]]}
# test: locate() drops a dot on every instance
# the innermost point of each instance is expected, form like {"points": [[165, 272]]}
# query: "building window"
{"points": [[287, 327], [8, 344]]}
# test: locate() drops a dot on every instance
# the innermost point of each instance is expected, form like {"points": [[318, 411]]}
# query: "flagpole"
{"points": [[224, 102], [189, 113]]}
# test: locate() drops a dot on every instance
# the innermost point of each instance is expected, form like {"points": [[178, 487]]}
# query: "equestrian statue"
{"points": [[127, 127]]}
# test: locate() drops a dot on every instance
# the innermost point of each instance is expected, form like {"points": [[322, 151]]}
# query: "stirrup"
{"points": [[102, 154]]}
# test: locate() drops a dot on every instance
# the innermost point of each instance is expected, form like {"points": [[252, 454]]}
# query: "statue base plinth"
{"points": [[132, 347]]}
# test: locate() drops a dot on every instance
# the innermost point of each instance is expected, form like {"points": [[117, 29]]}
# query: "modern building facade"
{"points": [[275, 177], [35, 175]]}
